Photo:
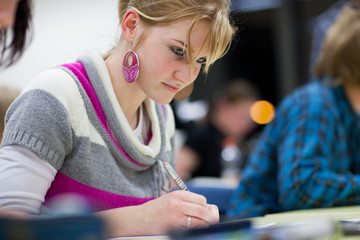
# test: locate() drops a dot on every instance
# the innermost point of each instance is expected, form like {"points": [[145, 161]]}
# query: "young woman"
{"points": [[102, 127]]}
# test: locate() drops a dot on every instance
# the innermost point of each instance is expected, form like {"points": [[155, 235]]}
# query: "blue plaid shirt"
{"points": [[307, 157]]}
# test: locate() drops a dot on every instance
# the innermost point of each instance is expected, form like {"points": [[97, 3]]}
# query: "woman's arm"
{"points": [[24, 179], [157, 217]]}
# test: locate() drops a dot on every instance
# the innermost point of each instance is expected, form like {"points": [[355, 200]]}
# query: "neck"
{"points": [[129, 95], [353, 94]]}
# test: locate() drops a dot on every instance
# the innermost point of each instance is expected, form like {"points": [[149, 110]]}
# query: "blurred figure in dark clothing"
{"points": [[228, 117]]}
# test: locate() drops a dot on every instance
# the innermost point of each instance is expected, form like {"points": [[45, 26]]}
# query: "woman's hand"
{"points": [[159, 216], [13, 214], [172, 210]]}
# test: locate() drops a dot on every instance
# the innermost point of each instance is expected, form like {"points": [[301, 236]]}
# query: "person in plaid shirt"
{"points": [[309, 155]]}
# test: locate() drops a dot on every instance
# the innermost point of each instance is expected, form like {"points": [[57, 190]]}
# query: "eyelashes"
{"points": [[202, 60], [179, 52]]}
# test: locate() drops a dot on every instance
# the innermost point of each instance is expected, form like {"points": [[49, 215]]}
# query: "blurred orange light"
{"points": [[262, 112]]}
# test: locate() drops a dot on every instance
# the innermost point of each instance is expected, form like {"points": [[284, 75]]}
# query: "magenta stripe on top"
{"points": [[79, 71], [97, 199]]}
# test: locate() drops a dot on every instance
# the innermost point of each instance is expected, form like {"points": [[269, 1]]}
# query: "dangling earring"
{"points": [[130, 72]]}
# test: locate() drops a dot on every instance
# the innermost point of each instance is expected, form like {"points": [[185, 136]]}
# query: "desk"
{"points": [[337, 213], [142, 238], [217, 191], [278, 219]]}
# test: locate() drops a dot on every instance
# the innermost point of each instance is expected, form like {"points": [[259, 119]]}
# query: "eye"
{"points": [[201, 60], [177, 51]]}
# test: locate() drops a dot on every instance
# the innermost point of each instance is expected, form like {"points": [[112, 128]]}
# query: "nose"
{"points": [[7, 12], [184, 73]]}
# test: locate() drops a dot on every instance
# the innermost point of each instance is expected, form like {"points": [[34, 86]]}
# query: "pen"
{"points": [[175, 177]]}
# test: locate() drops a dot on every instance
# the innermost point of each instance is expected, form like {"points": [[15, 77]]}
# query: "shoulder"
{"points": [[58, 83], [50, 80], [314, 95], [312, 104]]}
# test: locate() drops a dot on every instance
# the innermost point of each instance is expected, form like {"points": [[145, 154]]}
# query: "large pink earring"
{"points": [[130, 72]]}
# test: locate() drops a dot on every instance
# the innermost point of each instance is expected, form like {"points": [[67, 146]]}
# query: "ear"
{"points": [[129, 25]]}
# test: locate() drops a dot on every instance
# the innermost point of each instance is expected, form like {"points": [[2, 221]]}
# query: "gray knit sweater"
{"points": [[70, 117]]}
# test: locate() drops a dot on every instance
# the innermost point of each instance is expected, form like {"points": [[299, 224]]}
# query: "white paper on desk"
{"points": [[162, 237], [268, 225], [355, 220]]}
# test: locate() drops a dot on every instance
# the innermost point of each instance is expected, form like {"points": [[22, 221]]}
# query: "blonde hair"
{"points": [[340, 58], [154, 12]]}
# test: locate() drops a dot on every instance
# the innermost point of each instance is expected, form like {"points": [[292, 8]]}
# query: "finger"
{"points": [[215, 211], [197, 211], [13, 214], [196, 223], [191, 197]]}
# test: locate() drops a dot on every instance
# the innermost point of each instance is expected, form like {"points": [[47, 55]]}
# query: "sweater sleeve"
{"points": [[24, 179], [39, 119]]}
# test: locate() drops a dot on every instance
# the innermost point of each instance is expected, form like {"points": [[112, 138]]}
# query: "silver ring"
{"points": [[188, 224]]}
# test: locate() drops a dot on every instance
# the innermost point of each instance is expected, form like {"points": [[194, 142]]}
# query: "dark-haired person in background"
{"points": [[15, 19], [228, 117]]}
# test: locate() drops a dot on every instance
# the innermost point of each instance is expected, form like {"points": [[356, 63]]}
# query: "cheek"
{"points": [[153, 62], [7, 13]]}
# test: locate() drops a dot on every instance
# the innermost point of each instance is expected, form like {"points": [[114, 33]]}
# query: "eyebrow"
{"points": [[179, 41], [184, 44]]}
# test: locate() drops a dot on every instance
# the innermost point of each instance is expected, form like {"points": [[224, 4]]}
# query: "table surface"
{"points": [[286, 218]]}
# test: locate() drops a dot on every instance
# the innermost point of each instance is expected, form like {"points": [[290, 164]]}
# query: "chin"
{"points": [[162, 100], [165, 102]]}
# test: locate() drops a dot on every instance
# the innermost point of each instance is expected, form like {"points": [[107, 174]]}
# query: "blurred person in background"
{"points": [[104, 131], [228, 118], [309, 155], [15, 20], [7, 96], [319, 27]]}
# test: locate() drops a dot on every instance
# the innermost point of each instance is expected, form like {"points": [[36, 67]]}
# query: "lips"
{"points": [[170, 88]]}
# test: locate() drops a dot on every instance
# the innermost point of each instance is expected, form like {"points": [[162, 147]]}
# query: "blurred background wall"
{"points": [[62, 31], [271, 48]]}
